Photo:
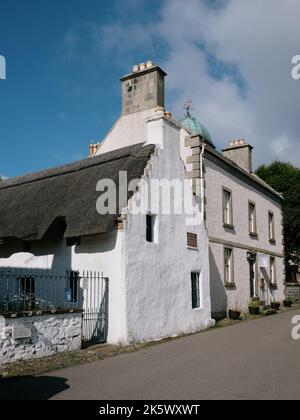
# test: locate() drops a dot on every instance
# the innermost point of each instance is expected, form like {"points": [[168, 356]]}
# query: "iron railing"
{"points": [[30, 292], [35, 290]]}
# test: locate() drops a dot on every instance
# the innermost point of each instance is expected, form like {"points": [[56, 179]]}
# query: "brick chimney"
{"points": [[93, 148], [143, 88], [239, 152]]}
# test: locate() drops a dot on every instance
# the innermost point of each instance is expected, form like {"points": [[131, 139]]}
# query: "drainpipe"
{"points": [[202, 182]]}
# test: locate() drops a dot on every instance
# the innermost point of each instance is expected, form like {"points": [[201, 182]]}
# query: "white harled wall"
{"points": [[158, 275], [128, 129], [103, 253]]}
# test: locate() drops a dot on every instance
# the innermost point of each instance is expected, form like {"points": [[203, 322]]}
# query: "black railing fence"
{"points": [[30, 292], [27, 290]]}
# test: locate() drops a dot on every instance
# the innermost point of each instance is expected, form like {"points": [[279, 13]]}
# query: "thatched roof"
{"points": [[30, 204]]}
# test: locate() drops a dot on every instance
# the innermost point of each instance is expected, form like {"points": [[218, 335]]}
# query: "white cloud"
{"points": [[257, 38], [280, 146]]}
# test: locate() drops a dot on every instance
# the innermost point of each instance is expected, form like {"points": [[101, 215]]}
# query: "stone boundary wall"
{"points": [[40, 336]]}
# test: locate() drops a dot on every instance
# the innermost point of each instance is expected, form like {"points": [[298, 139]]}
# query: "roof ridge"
{"points": [[69, 167], [251, 175]]}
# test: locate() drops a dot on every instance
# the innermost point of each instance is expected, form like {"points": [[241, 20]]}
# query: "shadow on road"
{"points": [[31, 388]]}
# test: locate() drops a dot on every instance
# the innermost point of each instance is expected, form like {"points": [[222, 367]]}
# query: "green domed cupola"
{"points": [[194, 127]]}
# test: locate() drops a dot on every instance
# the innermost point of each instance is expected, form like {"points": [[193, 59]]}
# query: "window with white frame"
{"points": [[271, 226], [252, 218], [196, 297], [272, 270], [228, 266], [227, 207]]}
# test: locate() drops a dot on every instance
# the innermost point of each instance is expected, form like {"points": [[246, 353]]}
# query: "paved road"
{"points": [[252, 360]]}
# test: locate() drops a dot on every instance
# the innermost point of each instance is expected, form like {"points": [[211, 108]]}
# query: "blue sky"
{"points": [[52, 104], [65, 58]]}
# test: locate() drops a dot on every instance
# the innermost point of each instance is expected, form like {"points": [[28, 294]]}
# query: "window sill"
{"points": [[228, 226], [192, 248], [292, 284], [230, 286], [198, 309]]}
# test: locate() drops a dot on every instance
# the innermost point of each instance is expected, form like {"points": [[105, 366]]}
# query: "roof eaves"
{"points": [[250, 175]]}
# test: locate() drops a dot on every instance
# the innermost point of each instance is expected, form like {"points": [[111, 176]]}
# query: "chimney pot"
{"points": [[93, 148], [149, 64], [160, 111]]}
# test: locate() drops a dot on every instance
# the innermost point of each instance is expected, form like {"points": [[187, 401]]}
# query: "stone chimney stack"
{"points": [[143, 88], [241, 153]]}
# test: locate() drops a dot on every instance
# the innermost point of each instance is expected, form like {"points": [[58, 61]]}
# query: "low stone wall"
{"points": [[292, 290], [39, 336]]}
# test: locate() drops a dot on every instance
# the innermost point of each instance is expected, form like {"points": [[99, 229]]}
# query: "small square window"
{"points": [[192, 240]]}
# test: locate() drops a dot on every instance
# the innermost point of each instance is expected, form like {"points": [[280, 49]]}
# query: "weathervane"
{"points": [[188, 107]]}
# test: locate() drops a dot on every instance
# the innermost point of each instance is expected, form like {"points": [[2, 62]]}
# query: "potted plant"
{"points": [[234, 313], [254, 308], [275, 305], [287, 303]]}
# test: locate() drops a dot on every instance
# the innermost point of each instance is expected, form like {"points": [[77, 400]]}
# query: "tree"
{"points": [[285, 178]]}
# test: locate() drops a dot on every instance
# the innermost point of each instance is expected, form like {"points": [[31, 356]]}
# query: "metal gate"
{"points": [[95, 307], [30, 291]]}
